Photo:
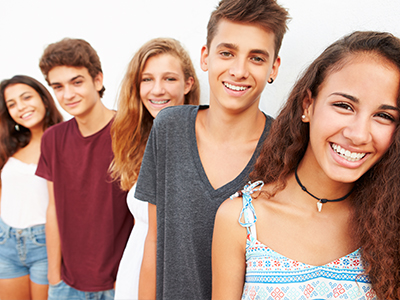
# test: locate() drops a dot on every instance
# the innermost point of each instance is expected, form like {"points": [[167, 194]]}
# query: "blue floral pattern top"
{"points": [[272, 276]]}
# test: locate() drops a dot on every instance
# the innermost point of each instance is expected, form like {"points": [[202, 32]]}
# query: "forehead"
{"points": [[17, 89], [163, 62], [244, 35], [365, 77], [62, 74]]}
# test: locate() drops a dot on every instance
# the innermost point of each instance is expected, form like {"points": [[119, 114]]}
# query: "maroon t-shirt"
{"points": [[93, 217]]}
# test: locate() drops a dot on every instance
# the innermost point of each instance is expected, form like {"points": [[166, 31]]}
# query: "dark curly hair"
{"points": [[10, 139], [375, 201]]}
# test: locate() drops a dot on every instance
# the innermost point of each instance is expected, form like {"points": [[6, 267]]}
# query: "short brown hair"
{"points": [[266, 13], [73, 53]]}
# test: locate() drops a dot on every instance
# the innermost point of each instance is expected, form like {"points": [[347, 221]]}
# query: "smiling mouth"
{"points": [[346, 154], [72, 103], [26, 115], [159, 101], [236, 88]]}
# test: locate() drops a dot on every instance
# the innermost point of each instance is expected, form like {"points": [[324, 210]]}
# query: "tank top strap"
{"points": [[248, 214]]}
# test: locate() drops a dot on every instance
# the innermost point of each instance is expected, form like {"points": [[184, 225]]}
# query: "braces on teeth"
{"points": [[159, 102]]}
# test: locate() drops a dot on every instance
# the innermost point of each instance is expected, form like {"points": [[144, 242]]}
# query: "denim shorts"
{"points": [[62, 291], [23, 252]]}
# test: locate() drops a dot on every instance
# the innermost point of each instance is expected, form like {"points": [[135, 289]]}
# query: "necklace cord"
{"points": [[322, 200]]}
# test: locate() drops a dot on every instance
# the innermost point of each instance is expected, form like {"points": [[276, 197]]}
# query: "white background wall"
{"points": [[116, 29]]}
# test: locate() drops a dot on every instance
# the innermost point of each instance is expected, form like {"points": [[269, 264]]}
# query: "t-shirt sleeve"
{"points": [[147, 181], [44, 168]]}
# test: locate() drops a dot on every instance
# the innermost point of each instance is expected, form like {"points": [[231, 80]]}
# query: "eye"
{"points": [[170, 79], [258, 59], [146, 79], [225, 54], [385, 116], [27, 97], [343, 105], [77, 83], [56, 87], [10, 104]]}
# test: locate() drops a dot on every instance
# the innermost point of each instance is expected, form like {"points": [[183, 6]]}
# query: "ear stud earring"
{"points": [[16, 127], [303, 117], [271, 80]]}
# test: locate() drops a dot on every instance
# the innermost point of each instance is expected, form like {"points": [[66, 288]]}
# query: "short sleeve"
{"points": [[44, 168], [147, 182]]}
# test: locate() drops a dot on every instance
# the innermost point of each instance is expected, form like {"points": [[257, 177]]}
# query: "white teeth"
{"points": [[26, 115], [159, 101], [346, 154], [235, 87]]}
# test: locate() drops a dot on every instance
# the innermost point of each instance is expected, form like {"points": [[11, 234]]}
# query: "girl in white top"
{"points": [[26, 110], [160, 74]]}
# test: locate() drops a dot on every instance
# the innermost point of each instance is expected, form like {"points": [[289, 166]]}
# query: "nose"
{"points": [[158, 87], [69, 92], [359, 131], [239, 68], [20, 105]]}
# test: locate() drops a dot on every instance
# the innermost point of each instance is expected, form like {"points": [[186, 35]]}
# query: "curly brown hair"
{"points": [[375, 201], [132, 124], [267, 14], [10, 139], [73, 53]]}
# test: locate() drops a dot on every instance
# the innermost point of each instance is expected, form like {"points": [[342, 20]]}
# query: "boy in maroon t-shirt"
{"points": [[88, 222]]}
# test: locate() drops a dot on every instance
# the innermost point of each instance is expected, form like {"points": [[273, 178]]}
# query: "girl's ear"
{"points": [[188, 85], [308, 103]]}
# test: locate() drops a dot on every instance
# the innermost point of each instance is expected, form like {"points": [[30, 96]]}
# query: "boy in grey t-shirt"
{"points": [[196, 157]]}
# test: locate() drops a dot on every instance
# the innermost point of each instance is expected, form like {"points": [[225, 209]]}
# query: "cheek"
{"points": [[12, 113], [177, 93], [383, 139], [144, 90]]}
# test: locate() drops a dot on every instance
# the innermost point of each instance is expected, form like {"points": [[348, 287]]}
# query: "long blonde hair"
{"points": [[132, 124]]}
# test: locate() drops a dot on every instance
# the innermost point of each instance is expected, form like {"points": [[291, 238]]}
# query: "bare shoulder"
{"points": [[229, 210], [227, 229]]}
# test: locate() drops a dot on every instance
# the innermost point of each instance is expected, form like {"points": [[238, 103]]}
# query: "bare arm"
{"points": [[147, 280], [228, 252], [53, 239]]}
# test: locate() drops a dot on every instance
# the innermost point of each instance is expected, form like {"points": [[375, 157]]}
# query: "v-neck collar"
{"points": [[230, 187]]}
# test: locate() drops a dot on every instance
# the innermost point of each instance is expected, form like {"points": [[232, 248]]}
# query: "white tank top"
{"points": [[24, 196]]}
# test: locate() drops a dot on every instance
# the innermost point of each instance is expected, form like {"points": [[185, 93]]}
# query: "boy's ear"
{"points": [[275, 68], [308, 103], [98, 81], [204, 58]]}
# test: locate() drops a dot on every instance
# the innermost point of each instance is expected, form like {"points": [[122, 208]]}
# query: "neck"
{"points": [[225, 126], [94, 120], [36, 134], [320, 189]]}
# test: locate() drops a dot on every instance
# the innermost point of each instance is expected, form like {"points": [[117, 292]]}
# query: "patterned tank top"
{"points": [[272, 276]]}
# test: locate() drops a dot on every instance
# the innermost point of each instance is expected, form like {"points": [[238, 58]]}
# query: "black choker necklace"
{"points": [[320, 200]]}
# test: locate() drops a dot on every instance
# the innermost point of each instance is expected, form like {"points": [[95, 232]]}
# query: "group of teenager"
{"points": [[227, 203]]}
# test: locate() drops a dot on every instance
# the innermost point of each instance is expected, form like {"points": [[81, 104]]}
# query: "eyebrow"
{"points": [[236, 48], [164, 73], [72, 79], [8, 100], [356, 100]]}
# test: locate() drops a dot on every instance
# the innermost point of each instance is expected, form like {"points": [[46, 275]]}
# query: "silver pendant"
{"points": [[319, 206]]}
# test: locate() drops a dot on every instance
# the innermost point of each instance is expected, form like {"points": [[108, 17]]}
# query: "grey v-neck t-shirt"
{"points": [[172, 178]]}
